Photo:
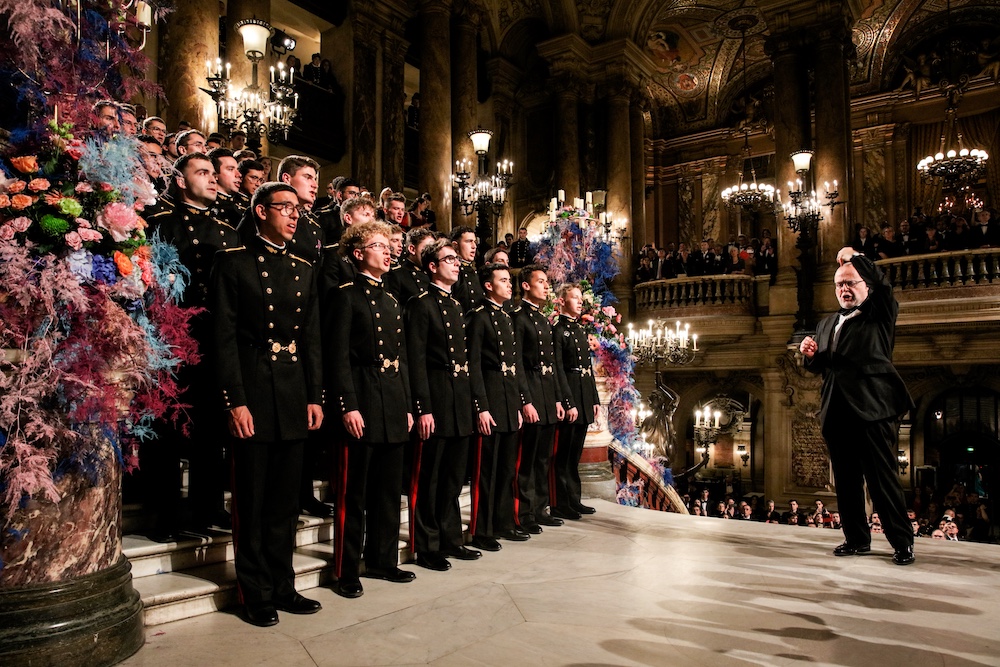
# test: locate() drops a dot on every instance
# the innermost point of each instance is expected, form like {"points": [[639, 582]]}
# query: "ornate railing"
{"points": [[944, 269], [735, 291]]}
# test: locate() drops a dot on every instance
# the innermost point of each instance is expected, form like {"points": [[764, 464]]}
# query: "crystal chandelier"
{"points": [[749, 196], [953, 165], [677, 346]]}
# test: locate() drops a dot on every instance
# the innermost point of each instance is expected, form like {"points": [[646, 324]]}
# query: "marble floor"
{"points": [[637, 587]]}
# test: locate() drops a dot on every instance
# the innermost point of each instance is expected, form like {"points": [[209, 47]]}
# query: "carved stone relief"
{"points": [[685, 203], [810, 461]]}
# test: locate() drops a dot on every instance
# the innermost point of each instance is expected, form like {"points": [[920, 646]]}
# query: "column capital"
{"points": [[505, 75], [435, 6], [394, 47]]}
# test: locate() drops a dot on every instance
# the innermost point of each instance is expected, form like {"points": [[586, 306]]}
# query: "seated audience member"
{"points": [[938, 534], [793, 512], [834, 520], [745, 512], [794, 520], [820, 514], [719, 511]]}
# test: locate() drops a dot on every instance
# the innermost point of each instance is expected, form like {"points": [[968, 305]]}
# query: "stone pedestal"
{"points": [[66, 595], [596, 477]]}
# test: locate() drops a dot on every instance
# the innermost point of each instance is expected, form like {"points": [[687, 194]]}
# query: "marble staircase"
{"points": [[196, 575]]}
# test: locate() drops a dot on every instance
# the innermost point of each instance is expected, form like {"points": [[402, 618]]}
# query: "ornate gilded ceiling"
{"points": [[696, 83]]}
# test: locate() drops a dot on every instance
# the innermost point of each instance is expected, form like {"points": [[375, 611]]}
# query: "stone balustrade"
{"points": [[729, 294], [943, 269]]}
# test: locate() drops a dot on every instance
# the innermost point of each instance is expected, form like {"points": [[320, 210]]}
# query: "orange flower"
{"points": [[14, 187], [39, 184], [21, 202], [26, 164], [53, 198], [4, 201], [123, 263], [143, 253]]}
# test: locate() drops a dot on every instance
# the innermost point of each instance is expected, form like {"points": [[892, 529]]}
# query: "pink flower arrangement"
{"points": [[39, 184], [119, 219]]}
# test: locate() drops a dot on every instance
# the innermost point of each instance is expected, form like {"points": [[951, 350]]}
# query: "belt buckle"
{"points": [[386, 364], [546, 369]]}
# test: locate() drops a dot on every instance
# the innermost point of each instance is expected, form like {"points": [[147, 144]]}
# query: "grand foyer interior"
{"points": [[652, 102]]}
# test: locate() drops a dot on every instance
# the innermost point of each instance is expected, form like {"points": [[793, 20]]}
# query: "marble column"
{"points": [[791, 133], [567, 137], [189, 37], [620, 183], [434, 162], [367, 36], [464, 99], [393, 112], [833, 140], [637, 225]]}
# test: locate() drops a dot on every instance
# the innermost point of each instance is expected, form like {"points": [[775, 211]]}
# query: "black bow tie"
{"points": [[848, 311]]}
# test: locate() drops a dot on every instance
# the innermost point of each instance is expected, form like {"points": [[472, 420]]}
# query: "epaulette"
{"points": [[239, 247], [422, 295], [300, 259], [164, 211], [343, 285], [332, 246], [476, 310], [223, 222]]}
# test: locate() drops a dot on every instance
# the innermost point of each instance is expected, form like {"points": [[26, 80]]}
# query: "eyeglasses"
{"points": [[847, 283], [253, 179], [449, 259], [285, 208], [378, 246]]}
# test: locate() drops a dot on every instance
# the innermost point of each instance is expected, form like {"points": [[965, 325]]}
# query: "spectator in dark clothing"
{"points": [[887, 245], [865, 244], [932, 243], [960, 238], [644, 272], [984, 232], [734, 265], [909, 244]]}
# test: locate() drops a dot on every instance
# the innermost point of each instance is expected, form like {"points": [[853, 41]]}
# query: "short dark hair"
{"points": [[265, 194], [126, 108], [182, 137], [345, 183], [430, 253], [456, 233], [216, 155], [147, 139], [168, 137], [181, 163], [238, 133], [397, 196], [245, 154], [215, 136], [415, 236], [486, 272], [526, 271], [293, 163], [249, 165], [492, 252]]}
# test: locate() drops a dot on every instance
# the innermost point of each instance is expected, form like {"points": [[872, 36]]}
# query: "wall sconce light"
{"points": [[903, 461], [744, 454]]}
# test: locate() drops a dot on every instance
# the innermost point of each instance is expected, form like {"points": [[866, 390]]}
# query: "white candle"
{"points": [[208, 69], [694, 340], [552, 204], [590, 197], [562, 195], [272, 73], [228, 66], [697, 418], [717, 415]]}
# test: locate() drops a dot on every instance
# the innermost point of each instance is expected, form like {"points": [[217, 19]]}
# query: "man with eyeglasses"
{"points": [[269, 382], [251, 178], [156, 128], [192, 228], [497, 379], [442, 406], [366, 370], [190, 141], [863, 400]]}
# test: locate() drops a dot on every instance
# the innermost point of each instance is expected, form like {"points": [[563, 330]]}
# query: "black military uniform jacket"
{"points": [[545, 384], [228, 208], [365, 358], [438, 362], [406, 280], [573, 357], [520, 253], [328, 218], [153, 213], [468, 291], [493, 365], [267, 337], [309, 239], [198, 235], [336, 271]]}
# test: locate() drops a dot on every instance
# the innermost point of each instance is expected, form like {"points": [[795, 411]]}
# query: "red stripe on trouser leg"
{"points": [[517, 472], [474, 515], [414, 487], [552, 469], [340, 515]]}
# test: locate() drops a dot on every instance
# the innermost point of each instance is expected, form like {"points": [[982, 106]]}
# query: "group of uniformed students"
{"points": [[419, 371]]}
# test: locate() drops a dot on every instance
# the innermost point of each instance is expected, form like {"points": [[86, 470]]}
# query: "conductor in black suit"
{"points": [[266, 346], [365, 360], [863, 399]]}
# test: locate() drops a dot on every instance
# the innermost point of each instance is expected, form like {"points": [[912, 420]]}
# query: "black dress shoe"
{"points": [[546, 520], [848, 549], [584, 509], [485, 543], [314, 507], [532, 529], [903, 556], [395, 575], [564, 513], [463, 553], [513, 535], [433, 561], [298, 604], [348, 589], [261, 614]]}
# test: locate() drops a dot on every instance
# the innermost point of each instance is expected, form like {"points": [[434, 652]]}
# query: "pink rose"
{"points": [[38, 184], [106, 187], [6, 232], [83, 186], [15, 187], [119, 219], [21, 224], [88, 235], [83, 222], [74, 241], [4, 201]]}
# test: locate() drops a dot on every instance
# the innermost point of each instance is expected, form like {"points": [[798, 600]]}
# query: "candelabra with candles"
{"points": [[487, 194], [639, 416], [706, 432], [595, 204], [675, 346], [902, 461]]}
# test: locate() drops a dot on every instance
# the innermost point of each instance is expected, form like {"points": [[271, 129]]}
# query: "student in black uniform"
{"points": [[573, 357], [365, 367], [439, 384], [496, 400], [467, 289], [190, 226], [269, 374], [409, 279], [545, 394]]}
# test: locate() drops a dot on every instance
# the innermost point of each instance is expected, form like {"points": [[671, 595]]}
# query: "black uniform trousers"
{"points": [[266, 501], [493, 484], [440, 472], [533, 472], [865, 451], [566, 467], [367, 507]]}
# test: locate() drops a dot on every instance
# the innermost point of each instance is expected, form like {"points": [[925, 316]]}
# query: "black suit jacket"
{"points": [[365, 359], [494, 370], [573, 358], [545, 384], [859, 376]]}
